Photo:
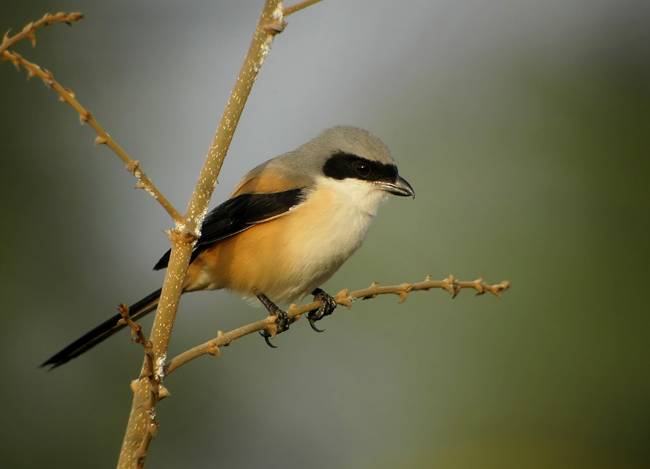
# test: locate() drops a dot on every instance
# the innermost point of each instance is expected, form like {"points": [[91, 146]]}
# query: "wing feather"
{"points": [[237, 214]]}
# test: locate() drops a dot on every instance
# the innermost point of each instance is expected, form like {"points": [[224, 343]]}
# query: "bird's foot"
{"points": [[281, 323], [326, 308]]}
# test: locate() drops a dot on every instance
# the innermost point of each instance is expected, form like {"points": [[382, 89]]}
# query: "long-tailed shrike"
{"points": [[287, 228]]}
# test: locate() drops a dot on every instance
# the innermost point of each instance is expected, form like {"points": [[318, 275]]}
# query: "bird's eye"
{"points": [[362, 169]]}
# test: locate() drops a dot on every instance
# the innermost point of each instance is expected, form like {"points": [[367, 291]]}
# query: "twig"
{"points": [[298, 6], [29, 31], [151, 370], [68, 96], [136, 329], [103, 137], [183, 236], [345, 298]]}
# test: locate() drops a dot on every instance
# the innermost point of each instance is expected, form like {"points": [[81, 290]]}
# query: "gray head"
{"points": [[351, 141], [343, 153]]}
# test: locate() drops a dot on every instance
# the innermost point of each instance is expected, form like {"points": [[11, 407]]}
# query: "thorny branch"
{"points": [[344, 298], [85, 117], [29, 31]]}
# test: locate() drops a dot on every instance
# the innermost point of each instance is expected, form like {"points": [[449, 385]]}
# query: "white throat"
{"points": [[351, 206], [353, 196]]}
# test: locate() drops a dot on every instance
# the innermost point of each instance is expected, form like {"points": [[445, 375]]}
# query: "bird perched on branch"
{"points": [[287, 228]]}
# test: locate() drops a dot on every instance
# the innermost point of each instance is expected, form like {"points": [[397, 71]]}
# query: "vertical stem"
{"points": [[142, 425]]}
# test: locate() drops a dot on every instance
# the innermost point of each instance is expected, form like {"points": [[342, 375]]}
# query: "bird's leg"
{"points": [[326, 308], [282, 323]]}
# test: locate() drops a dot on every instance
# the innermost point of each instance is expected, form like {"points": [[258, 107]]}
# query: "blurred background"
{"points": [[523, 127]]}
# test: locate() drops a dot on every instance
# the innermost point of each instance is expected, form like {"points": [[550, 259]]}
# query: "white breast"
{"points": [[327, 228]]}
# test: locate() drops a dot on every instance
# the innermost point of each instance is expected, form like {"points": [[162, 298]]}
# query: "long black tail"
{"points": [[102, 332]]}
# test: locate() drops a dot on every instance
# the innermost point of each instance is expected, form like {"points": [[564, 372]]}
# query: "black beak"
{"points": [[400, 187]]}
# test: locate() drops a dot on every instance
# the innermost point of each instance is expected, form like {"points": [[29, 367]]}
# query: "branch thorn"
{"points": [[71, 94], [404, 293], [28, 26], [497, 289], [163, 392], [373, 285], [214, 350], [84, 117], [219, 336], [275, 27], [451, 285], [32, 38], [479, 286], [343, 298], [133, 166]]}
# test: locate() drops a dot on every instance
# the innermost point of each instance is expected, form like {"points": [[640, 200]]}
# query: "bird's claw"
{"points": [[267, 338], [282, 324], [312, 324], [326, 308]]}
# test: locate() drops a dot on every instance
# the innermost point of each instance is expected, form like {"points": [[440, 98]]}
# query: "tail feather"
{"points": [[102, 332]]}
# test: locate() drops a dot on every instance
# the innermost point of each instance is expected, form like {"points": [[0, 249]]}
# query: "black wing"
{"points": [[238, 214]]}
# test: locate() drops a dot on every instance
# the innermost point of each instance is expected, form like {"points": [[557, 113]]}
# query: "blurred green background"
{"points": [[523, 126]]}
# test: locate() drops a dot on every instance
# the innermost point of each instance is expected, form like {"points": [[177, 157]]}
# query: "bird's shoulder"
{"points": [[279, 174], [264, 194]]}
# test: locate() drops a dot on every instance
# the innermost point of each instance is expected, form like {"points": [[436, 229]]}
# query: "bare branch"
{"points": [[290, 10], [345, 298], [29, 31], [103, 137], [136, 329]]}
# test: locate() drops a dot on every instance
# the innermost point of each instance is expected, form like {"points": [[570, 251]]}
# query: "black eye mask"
{"points": [[345, 165]]}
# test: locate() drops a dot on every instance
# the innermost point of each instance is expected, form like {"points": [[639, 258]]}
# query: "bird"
{"points": [[289, 225]]}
